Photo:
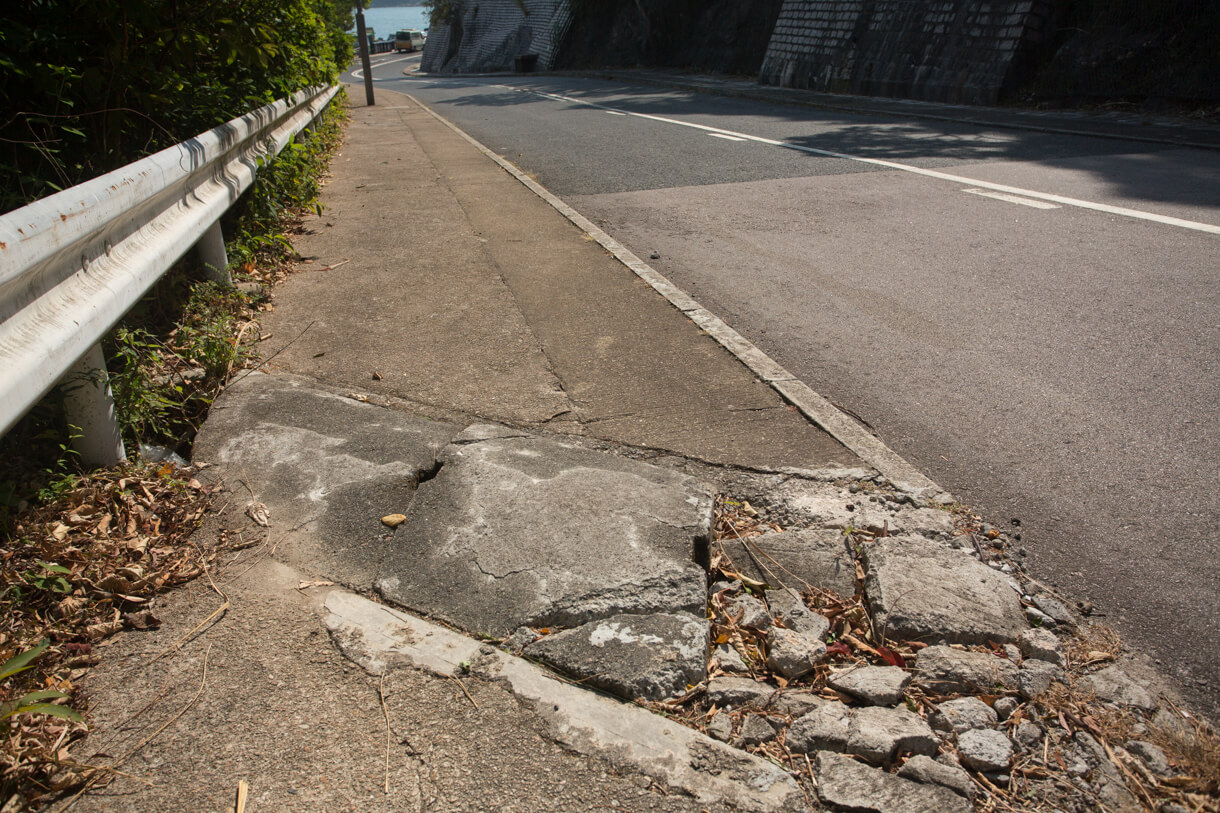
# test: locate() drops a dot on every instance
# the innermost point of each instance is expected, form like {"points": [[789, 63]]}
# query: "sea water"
{"points": [[385, 20]]}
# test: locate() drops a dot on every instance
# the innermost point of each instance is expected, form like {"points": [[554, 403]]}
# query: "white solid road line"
{"points": [[927, 173], [1036, 204], [359, 72], [726, 136]]}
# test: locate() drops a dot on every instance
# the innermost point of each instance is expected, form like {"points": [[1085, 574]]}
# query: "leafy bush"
{"points": [[91, 85]]}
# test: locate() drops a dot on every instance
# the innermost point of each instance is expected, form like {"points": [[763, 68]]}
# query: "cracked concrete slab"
{"points": [[525, 531], [648, 657], [378, 638], [801, 558], [327, 467]]}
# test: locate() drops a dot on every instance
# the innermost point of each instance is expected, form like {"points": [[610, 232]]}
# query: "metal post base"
{"points": [[90, 408], [211, 248]]}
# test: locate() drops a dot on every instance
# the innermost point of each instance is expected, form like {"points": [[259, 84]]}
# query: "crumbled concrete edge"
{"points": [[379, 638]]}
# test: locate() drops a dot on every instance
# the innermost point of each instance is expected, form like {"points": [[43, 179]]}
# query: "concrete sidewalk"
{"points": [[461, 290]]}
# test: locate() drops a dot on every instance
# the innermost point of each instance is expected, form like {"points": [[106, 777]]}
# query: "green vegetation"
{"points": [[91, 85]]}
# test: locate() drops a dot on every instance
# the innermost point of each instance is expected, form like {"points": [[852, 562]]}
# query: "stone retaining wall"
{"points": [[491, 34], [963, 51]]}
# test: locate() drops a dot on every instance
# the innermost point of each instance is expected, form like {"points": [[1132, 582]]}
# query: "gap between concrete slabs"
{"points": [[816, 408], [379, 638]]}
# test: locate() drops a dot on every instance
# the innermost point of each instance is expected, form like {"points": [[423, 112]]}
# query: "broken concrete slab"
{"points": [[792, 654], [731, 692], [589, 723], [985, 749], [946, 670], [963, 714], [787, 607], [921, 768], [529, 531], [844, 782], [639, 657], [829, 506], [1037, 676], [815, 557], [875, 685], [923, 590], [327, 467], [1116, 686], [880, 735], [825, 728], [1043, 645]]}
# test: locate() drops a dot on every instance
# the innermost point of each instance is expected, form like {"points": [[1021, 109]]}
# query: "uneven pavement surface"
{"points": [[476, 426]]}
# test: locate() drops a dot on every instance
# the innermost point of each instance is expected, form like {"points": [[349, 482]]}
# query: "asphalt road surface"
{"points": [[1031, 319]]}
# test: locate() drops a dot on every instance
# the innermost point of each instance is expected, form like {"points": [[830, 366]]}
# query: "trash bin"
{"points": [[526, 63]]}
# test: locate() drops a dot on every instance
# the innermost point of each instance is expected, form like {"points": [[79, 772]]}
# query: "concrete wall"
{"points": [[491, 34], [939, 50]]}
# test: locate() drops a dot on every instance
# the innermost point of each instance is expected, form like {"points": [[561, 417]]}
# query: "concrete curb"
{"points": [[379, 639], [816, 408]]}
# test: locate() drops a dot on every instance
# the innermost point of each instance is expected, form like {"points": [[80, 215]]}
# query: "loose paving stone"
{"points": [[1043, 645], [721, 727], [985, 749], [649, 657], [844, 782], [326, 467], [875, 685], [734, 692], [795, 703], [793, 654], [1005, 706], [923, 590], [826, 728], [787, 605], [525, 531], [1037, 676], [756, 729], [730, 659], [826, 505], [1027, 734], [1116, 686], [749, 611], [921, 768], [880, 734], [1056, 609], [816, 557], [1151, 755], [1111, 788], [963, 714], [946, 670]]}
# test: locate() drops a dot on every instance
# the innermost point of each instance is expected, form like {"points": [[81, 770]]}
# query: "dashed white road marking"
{"points": [[1036, 204], [927, 173]]}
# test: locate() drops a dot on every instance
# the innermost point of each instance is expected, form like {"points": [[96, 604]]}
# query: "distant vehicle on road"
{"points": [[408, 40]]}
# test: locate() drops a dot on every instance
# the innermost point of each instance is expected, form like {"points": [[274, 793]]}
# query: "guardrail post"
{"points": [[211, 248], [90, 407]]}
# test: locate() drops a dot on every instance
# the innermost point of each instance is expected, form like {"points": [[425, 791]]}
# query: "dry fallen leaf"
{"points": [[314, 583], [393, 520], [259, 513]]}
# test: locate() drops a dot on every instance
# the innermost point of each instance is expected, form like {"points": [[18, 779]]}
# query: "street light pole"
{"points": [[363, 41]]}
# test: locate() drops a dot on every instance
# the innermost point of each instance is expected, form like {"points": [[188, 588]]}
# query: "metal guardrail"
{"points": [[73, 263]]}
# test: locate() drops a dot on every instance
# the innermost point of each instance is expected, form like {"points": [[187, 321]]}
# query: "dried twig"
{"points": [[385, 712], [462, 686]]}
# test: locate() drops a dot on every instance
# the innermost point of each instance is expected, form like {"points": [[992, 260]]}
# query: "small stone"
{"points": [[880, 734], [826, 728], [796, 704], [1043, 645], [1172, 807], [520, 639], [723, 585], [787, 605], [1151, 755], [985, 749], [963, 714], [1116, 686], [730, 659], [1012, 652], [1037, 676], [393, 520], [947, 670], [1004, 707], [792, 654], [756, 729], [875, 685], [921, 768], [753, 613], [1055, 608], [1037, 618], [656, 255], [731, 692], [1027, 735], [721, 727]]}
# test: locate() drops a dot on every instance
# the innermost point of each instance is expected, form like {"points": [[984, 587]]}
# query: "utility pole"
{"points": [[363, 41]]}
